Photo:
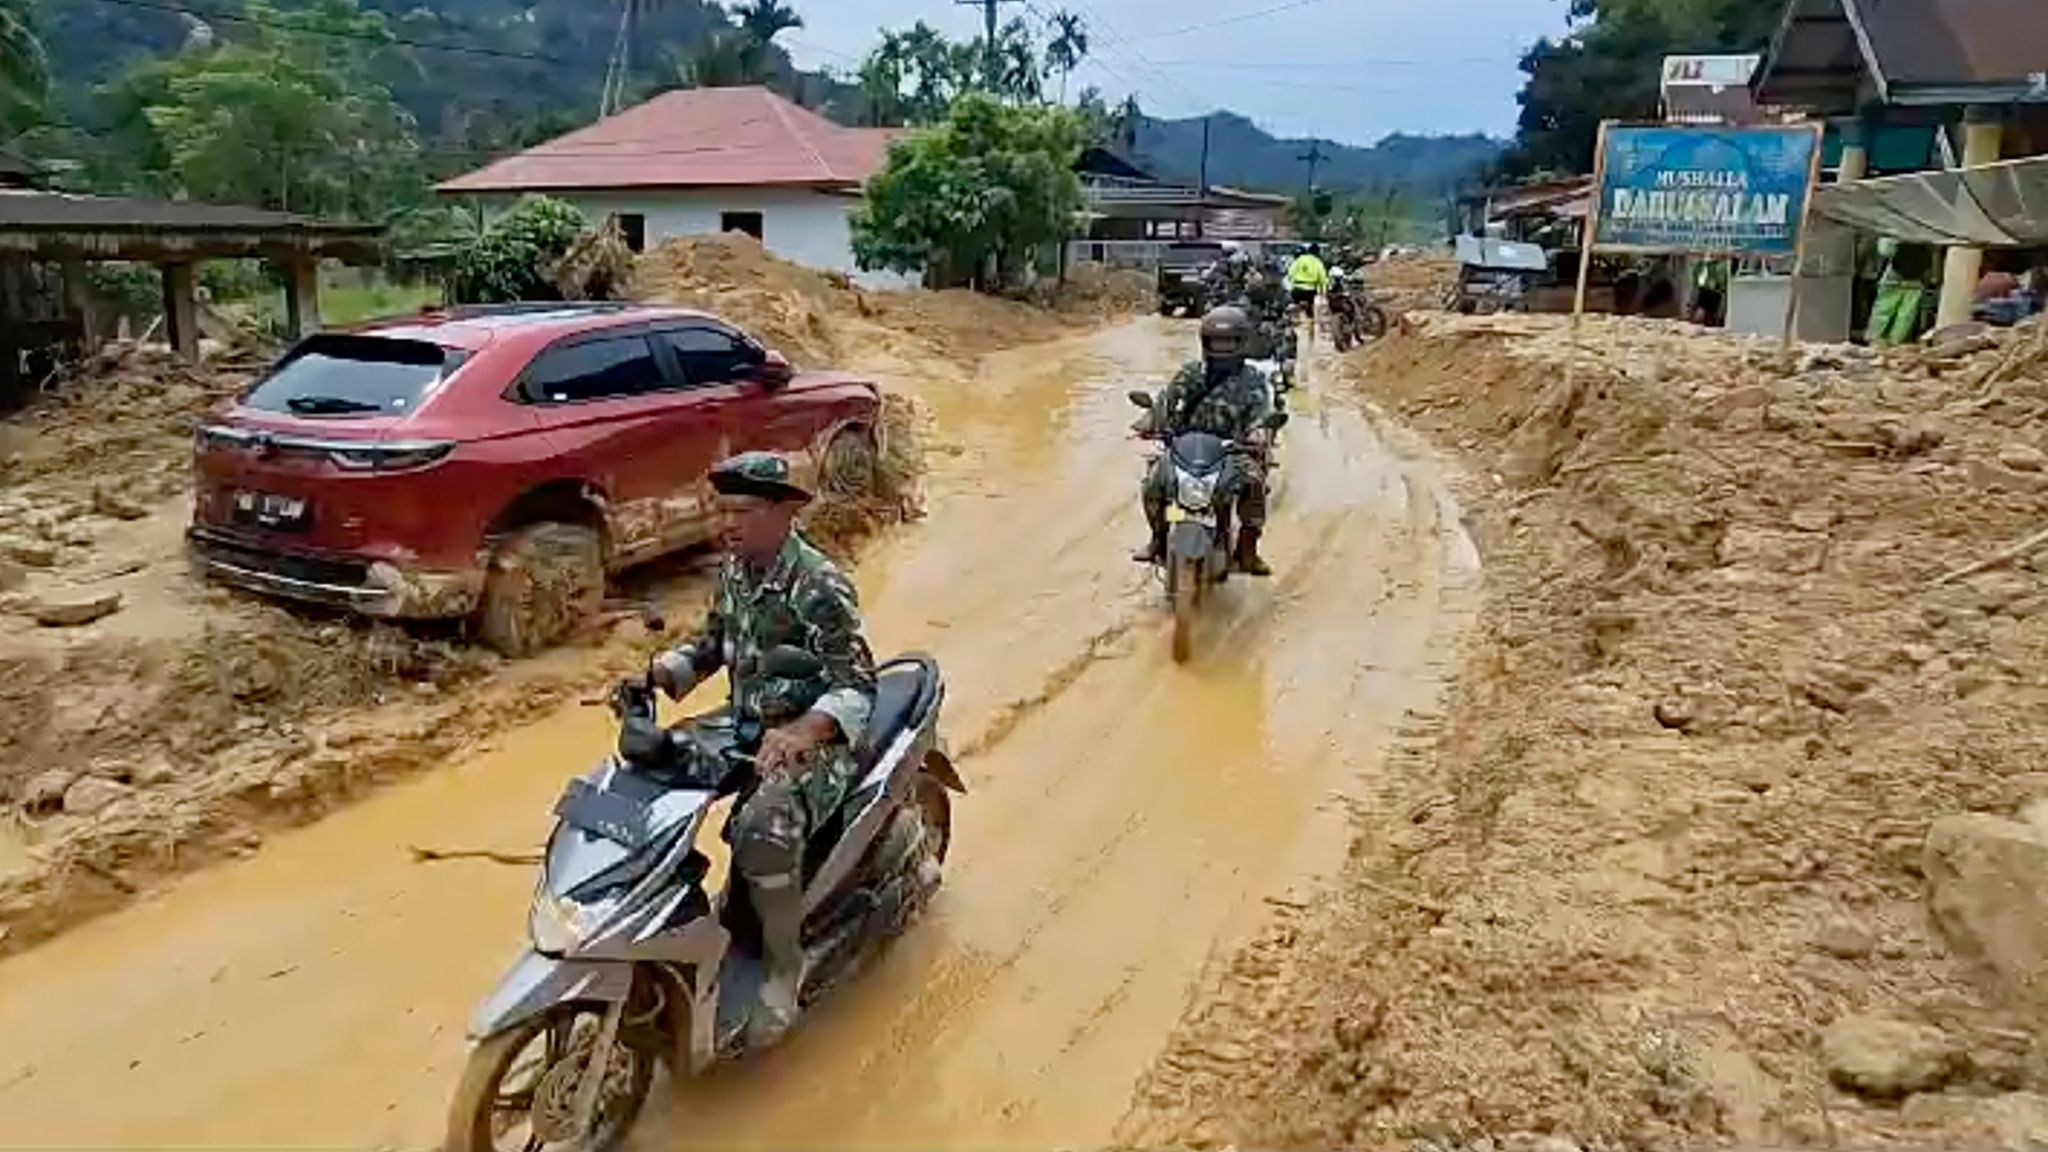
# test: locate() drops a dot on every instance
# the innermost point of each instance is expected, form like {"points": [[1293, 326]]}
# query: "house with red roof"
{"points": [[702, 161]]}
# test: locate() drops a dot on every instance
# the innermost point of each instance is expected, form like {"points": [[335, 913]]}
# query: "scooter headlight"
{"points": [[560, 926], [1196, 492]]}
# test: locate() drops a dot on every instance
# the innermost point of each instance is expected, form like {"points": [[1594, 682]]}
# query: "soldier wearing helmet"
{"points": [[1223, 395]]}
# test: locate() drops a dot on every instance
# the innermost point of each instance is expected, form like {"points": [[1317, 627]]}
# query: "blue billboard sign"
{"points": [[1710, 190]]}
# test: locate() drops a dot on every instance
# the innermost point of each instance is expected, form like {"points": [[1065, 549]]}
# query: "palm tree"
{"points": [[764, 20], [24, 69], [1068, 48], [1016, 64]]}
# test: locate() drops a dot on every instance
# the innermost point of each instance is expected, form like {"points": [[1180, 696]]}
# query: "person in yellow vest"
{"points": [[1306, 280]]}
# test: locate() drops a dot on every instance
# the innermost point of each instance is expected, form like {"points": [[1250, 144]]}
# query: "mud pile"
{"points": [[819, 318], [1732, 829], [1411, 283], [180, 723]]}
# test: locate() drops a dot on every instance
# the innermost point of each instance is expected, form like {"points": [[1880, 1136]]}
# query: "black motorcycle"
{"points": [[1198, 526]]}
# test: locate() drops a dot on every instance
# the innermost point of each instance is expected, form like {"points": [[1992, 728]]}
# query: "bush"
{"points": [[980, 193], [510, 260]]}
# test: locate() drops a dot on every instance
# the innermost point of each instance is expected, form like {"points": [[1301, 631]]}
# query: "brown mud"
{"points": [[1661, 873], [190, 721], [1129, 821]]}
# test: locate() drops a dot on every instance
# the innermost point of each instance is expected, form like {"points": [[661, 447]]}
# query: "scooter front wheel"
{"points": [[518, 1090], [1375, 321]]}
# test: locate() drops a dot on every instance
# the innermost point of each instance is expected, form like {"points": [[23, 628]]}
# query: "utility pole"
{"points": [[988, 43], [1202, 191], [1313, 157]]}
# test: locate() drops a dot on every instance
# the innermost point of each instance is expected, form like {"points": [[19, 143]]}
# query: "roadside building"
{"points": [[1922, 90], [704, 161]]}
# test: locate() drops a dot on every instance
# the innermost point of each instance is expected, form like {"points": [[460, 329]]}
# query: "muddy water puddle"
{"points": [[1126, 817]]}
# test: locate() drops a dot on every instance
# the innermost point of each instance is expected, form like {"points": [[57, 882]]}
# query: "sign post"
{"points": [[1702, 191]]}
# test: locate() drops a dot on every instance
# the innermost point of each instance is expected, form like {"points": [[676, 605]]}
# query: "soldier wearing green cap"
{"points": [[775, 589]]}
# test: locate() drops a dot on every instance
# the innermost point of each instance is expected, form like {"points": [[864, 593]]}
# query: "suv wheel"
{"points": [[545, 580], [852, 465]]}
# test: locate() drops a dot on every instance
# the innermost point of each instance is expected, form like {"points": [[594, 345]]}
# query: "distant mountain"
{"points": [[1243, 155]]}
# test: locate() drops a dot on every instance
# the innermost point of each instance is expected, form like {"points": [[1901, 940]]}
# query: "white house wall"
{"points": [[798, 224]]}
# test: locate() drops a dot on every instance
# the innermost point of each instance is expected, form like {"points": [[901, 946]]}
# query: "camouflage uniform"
{"points": [[1232, 409], [1226, 281], [804, 602]]}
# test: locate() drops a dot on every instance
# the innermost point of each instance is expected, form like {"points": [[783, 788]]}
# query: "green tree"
{"points": [[1068, 48], [1125, 122], [735, 56], [294, 117], [1018, 75], [1609, 68], [973, 198], [24, 69], [764, 20], [913, 76]]}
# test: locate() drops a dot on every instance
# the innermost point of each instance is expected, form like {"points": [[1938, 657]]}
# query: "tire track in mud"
{"points": [[1126, 820]]}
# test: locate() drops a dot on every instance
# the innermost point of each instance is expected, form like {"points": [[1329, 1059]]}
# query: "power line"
{"points": [[332, 34], [1327, 65], [1241, 18]]}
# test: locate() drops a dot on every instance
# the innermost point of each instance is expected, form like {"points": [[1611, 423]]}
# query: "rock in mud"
{"points": [[90, 794], [72, 611], [1988, 888], [2009, 1122], [28, 551], [44, 791], [108, 502], [1886, 1059], [2022, 458], [1844, 938]]}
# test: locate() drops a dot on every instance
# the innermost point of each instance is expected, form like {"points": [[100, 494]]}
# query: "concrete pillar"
{"points": [[1983, 135], [301, 297], [1855, 152], [181, 311]]}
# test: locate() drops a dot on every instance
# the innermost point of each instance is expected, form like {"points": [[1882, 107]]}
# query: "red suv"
{"points": [[497, 463]]}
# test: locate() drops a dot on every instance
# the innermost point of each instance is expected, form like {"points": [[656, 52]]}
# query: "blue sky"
{"points": [[1348, 70]]}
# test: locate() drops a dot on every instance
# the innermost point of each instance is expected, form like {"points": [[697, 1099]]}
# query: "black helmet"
{"points": [[1226, 333]]}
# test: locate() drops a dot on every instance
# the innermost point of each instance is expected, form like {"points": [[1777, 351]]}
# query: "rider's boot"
{"points": [[781, 910], [1247, 559]]}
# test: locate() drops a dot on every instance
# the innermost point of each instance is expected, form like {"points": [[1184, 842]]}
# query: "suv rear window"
{"points": [[1191, 255], [351, 375]]}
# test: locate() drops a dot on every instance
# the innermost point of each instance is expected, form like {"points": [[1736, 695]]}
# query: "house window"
{"points": [[748, 222], [634, 227]]}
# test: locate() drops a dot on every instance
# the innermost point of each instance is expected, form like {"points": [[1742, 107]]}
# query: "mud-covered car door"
{"points": [[622, 420]]}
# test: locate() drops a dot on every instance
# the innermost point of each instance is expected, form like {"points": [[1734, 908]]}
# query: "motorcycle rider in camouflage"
{"points": [[775, 589], [1222, 395]]}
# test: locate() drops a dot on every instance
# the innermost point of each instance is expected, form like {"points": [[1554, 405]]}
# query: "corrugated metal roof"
{"points": [[698, 137]]}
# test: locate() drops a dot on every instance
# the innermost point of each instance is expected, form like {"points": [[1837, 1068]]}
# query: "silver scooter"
{"points": [[632, 962]]}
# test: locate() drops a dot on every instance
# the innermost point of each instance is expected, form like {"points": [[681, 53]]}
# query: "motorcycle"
{"points": [[1199, 535], [1357, 318], [632, 962]]}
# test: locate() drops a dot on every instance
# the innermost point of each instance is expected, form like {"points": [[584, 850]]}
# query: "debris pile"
{"points": [[1736, 827], [150, 724], [1411, 283]]}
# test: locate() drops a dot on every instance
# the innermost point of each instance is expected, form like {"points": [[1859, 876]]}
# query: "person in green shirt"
{"points": [[1902, 293]]}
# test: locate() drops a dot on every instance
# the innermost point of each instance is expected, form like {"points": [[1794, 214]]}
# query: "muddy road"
{"points": [[1128, 821]]}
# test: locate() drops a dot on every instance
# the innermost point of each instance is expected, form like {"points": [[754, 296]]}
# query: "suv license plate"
{"points": [[269, 510]]}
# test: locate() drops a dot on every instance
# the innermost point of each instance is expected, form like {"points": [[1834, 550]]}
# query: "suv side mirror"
{"points": [[774, 371]]}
